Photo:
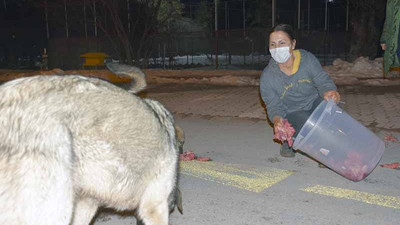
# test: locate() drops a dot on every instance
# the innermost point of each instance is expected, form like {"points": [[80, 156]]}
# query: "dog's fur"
{"points": [[70, 144]]}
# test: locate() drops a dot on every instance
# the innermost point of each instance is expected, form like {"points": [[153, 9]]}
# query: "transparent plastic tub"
{"points": [[340, 142]]}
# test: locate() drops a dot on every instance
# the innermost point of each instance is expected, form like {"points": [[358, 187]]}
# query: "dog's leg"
{"points": [[154, 212], [84, 212], [35, 171], [153, 208], [139, 222]]}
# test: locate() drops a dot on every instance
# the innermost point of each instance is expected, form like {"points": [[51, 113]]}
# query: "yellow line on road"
{"points": [[375, 199], [239, 176]]}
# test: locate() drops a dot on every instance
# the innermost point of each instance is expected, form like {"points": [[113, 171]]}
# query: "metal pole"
{"points": [[84, 18], [66, 18], [95, 18], [244, 28], [47, 20], [252, 54], [190, 9], [164, 50], [273, 12], [226, 30], [187, 53], [129, 16], [229, 23], [309, 12], [192, 49], [216, 14], [298, 14], [216, 33], [326, 15], [226, 19], [159, 53], [326, 30], [244, 18], [347, 16]]}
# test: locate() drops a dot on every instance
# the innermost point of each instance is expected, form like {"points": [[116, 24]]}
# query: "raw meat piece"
{"points": [[356, 172], [391, 138], [392, 165], [187, 156], [203, 159], [285, 133], [354, 169]]}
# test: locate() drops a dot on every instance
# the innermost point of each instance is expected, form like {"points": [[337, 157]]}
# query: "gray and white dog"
{"points": [[71, 144]]}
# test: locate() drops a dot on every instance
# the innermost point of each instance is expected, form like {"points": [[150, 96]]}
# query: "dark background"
{"points": [[23, 33]]}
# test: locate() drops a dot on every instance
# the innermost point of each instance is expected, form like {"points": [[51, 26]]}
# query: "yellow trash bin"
{"points": [[94, 59]]}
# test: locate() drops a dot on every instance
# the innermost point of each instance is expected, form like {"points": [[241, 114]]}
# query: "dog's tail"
{"points": [[138, 82]]}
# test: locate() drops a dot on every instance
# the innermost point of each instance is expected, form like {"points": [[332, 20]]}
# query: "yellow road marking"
{"points": [[251, 179], [375, 199]]}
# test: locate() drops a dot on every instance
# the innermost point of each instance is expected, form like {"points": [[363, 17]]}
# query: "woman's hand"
{"points": [[332, 95], [283, 130], [278, 123]]}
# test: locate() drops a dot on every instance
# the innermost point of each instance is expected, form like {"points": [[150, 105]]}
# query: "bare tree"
{"points": [[204, 17], [149, 18], [261, 13], [129, 25]]}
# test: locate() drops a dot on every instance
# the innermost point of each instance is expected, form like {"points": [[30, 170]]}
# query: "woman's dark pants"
{"points": [[298, 119]]}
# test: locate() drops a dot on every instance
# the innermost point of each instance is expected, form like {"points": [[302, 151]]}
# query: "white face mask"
{"points": [[281, 54]]}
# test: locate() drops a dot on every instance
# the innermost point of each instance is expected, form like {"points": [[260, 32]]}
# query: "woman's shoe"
{"points": [[286, 151]]}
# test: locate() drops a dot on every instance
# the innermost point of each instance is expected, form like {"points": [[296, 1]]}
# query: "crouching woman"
{"points": [[293, 84]]}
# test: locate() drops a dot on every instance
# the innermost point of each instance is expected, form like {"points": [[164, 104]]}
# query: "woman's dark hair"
{"points": [[284, 28]]}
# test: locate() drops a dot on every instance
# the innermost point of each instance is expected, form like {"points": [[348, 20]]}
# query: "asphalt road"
{"points": [[248, 182]]}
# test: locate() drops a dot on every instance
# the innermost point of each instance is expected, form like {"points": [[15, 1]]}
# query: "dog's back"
{"points": [[78, 142], [35, 163]]}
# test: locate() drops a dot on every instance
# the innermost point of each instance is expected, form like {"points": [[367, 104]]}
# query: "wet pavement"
{"points": [[248, 182], [375, 107]]}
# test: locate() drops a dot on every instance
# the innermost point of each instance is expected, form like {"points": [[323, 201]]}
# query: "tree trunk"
{"points": [[365, 28], [359, 36]]}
